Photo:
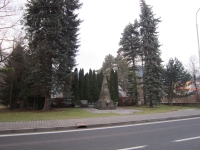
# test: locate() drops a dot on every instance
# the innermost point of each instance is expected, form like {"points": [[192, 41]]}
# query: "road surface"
{"points": [[167, 135]]}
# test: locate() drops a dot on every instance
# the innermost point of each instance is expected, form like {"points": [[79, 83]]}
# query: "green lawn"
{"points": [[62, 113], [160, 109], [69, 113]]}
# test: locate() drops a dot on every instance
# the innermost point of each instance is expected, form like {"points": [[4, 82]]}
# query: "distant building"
{"points": [[190, 90]]}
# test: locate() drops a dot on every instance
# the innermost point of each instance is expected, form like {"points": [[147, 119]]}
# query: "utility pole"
{"points": [[198, 36]]}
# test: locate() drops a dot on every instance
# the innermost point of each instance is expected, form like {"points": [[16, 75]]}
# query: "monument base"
{"points": [[105, 105]]}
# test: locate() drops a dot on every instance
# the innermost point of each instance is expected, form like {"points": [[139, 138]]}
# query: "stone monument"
{"points": [[104, 101]]}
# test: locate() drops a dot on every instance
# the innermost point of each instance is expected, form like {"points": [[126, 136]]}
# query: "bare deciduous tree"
{"points": [[10, 16], [193, 69]]}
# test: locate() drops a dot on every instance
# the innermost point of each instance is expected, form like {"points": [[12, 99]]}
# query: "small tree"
{"points": [[9, 26], [116, 89], [81, 84], [99, 81], [86, 87], [11, 76], [95, 87], [193, 69], [90, 86], [75, 86], [113, 85], [175, 78]]}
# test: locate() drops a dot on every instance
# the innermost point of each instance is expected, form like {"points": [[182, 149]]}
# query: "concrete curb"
{"points": [[49, 129], [141, 121]]}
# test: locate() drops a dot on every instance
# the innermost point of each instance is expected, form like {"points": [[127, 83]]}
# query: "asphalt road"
{"points": [[168, 135]]}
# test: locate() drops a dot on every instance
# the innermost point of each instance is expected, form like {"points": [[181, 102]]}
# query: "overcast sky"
{"points": [[105, 20]]}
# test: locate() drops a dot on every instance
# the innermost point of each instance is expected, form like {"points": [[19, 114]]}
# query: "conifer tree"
{"points": [[150, 48], [100, 81], [107, 64], [111, 85], [81, 84], [95, 87], [90, 86], [116, 98], [52, 28], [175, 78], [130, 50], [75, 85], [11, 76], [122, 71], [86, 87]]}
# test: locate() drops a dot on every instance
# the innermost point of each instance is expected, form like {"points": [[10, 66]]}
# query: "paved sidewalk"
{"points": [[55, 125]]}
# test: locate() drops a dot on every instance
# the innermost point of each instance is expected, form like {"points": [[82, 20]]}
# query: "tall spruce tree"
{"points": [[52, 27], [150, 48], [130, 43]]}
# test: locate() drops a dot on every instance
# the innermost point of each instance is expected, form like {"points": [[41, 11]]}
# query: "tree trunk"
{"points": [[145, 101], [197, 93], [171, 102], [11, 88], [46, 102], [198, 97], [151, 104]]}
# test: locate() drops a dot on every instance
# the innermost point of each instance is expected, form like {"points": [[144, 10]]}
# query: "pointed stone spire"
{"points": [[104, 101], [105, 94]]}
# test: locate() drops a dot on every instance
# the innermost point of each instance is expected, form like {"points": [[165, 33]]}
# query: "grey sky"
{"points": [[105, 20]]}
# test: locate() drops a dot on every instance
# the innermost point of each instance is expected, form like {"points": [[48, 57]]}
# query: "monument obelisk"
{"points": [[104, 101]]}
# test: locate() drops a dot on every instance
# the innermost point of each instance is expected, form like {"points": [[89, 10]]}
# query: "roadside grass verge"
{"points": [[71, 113], [160, 108], [60, 113]]}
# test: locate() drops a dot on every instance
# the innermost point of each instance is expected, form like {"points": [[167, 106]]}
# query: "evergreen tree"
{"points": [[11, 77], [116, 97], [107, 64], [123, 71], [86, 87], [118, 63], [52, 28], [90, 86], [75, 86], [130, 49], [81, 84], [95, 87], [100, 81], [150, 48], [130, 43], [113, 85], [175, 77]]}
